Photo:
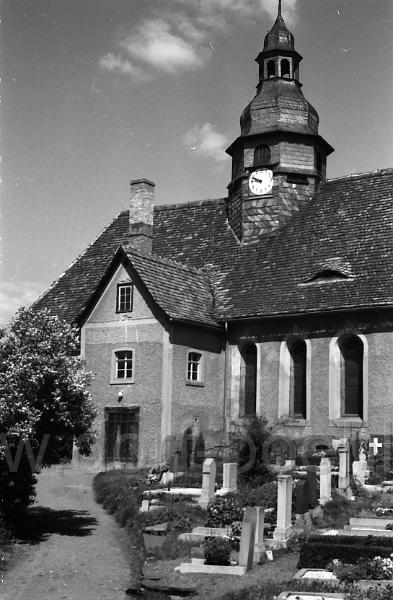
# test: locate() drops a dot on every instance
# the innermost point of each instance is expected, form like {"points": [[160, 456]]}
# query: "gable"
{"points": [[106, 307]]}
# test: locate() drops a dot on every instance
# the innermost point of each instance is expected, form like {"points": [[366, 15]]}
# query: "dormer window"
{"points": [[328, 275], [262, 155], [124, 297]]}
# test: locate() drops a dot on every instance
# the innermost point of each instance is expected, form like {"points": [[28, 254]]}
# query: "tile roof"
{"points": [[348, 227], [183, 293]]}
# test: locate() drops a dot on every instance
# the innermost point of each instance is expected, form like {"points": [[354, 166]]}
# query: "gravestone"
{"points": [[360, 467], [256, 514], [283, 528], [302, 497], [311, 479], [208, 482], [343, 473], [325, 481], [247, 541], [145, 506], [229, 477], [167, 478]]}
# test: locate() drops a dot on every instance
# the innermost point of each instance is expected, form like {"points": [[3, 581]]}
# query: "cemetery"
{"points": [[321, 526]]}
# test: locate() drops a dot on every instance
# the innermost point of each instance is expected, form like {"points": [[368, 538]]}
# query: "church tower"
{"points": [[279, 159]]}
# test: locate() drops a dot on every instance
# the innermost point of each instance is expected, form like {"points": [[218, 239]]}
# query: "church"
{"points": [[275, 300]]}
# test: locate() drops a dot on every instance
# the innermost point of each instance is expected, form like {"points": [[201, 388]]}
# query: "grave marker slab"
{"points": [[208, 482], [325, 480], [283, 529], [229, 478]]}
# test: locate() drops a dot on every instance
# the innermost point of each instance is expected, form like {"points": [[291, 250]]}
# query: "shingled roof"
{"points": [[347, 229]]}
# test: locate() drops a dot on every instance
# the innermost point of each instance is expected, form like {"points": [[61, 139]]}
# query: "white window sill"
{"points": [[348, 422], [121, 381], [195, 383], [294, 422]]}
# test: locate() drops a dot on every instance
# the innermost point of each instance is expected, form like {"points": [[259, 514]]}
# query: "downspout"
{"points": [[224, 417]]}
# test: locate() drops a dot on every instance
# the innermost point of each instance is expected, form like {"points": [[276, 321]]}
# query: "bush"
{"points": [[252, 469], [217, 551], [223, 510], [380, 593], [336, 512], [320, 550]]}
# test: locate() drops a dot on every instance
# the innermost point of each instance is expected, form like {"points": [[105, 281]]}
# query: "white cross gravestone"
{"points": [[229, 478], [375, 445], [208, 482], [284, 527], [325, 480]]}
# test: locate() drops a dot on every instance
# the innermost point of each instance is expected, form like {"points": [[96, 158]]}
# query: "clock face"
{"points": [[261, 182]]}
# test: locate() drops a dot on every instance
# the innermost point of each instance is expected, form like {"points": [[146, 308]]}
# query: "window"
{"points": [[194, 366], [121, 434], [285, 68], [122, 365], [124, 297], [248, 381], [297, 383], [295, 379], [351, 375], [318, 161], [348, 380], [271, 68], [262, 155]]}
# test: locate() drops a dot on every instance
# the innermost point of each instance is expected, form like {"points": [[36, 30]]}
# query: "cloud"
{"points": [[117, 64], [175, 39], [156, 44], [16, 294], [206, 142]]}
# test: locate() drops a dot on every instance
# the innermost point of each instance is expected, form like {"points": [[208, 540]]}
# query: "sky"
{"points": [[95, 93]]}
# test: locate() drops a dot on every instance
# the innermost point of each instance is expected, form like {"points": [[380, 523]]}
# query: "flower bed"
{"points": [[320, 550]]}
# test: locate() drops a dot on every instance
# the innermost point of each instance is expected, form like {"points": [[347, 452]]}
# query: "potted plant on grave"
{"points": [[217, 551]]}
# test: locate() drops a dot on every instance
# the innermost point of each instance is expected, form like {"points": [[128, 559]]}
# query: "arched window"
{"points": [[351, 375], [297, 383], [248, 381], [271, 68], [262, 155], [285, 68]]}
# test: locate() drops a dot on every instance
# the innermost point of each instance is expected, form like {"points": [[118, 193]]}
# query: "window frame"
{"points": [[199, 382], [120, 286], [284, 388], [114, 379], [336, 415]]}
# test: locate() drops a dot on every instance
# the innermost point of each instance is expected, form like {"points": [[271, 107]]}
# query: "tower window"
{"points": [[271, 68], [318, 161], [285, 68], [262, 155]]}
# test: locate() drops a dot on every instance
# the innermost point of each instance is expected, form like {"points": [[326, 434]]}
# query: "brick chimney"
{"points": [[140, 235]]}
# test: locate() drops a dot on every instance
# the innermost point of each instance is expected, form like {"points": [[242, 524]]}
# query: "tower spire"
{"points": [[279, 9]]}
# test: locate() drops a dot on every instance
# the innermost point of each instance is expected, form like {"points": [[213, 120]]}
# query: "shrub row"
{"points": [[319, 550]]}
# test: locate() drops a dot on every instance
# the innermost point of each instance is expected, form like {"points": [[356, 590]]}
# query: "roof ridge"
{"points": [[362, 174], [166, 261], [191, 203]]}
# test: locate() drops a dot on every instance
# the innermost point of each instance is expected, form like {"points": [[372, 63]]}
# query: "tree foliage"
{"points": [[44, 401]]}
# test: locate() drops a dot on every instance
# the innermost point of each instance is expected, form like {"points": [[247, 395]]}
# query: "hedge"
{"points": [[319, 550]]}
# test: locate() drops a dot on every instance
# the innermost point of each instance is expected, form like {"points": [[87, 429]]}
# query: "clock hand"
{"points": [[256, 179]]}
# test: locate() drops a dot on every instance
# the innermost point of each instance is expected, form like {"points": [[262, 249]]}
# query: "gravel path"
{"points": [[72, 549]]}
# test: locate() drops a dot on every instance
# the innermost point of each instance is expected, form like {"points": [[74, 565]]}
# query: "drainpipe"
{"points": [[226, 438]]}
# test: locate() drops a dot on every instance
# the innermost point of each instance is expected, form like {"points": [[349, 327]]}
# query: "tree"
{"points": [[44, 402], [252, 467]]}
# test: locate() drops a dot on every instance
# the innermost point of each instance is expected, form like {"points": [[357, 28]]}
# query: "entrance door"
{"points": [[121, 434]]}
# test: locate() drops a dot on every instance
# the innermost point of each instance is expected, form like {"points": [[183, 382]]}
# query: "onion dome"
{"points": [[279, 37]]}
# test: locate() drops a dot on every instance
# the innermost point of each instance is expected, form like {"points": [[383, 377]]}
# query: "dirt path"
{"points": [[71, 548]]}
